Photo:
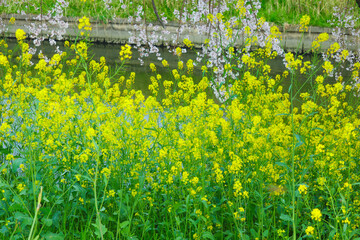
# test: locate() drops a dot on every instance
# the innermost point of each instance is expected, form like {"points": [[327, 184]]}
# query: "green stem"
{"points": [[293, 160], [36, 214]]}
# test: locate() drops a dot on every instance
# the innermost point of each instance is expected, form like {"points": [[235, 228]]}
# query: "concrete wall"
{"points": [[117, 31]]}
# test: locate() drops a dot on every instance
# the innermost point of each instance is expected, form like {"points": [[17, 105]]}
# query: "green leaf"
{"points": [[48, 222], [281, 164], [59, 201], [192, 222], [54, 236], [56, 219], [97, 149], [299, 140], [124, 224], [332, 233], [355, 232], [151, 129], [254, 234], [24, 219], [177, 206], [4, 229], [100, 228], [290, 87], [5, 151], [285, 217], [318, 129], [45, 199], [208, 235], [177, 219], [229, 235], [16, 163], [246, 237], [283, 114]]}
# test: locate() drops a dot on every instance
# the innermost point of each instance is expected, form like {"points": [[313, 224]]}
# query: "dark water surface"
{"points": [[143, 73]]}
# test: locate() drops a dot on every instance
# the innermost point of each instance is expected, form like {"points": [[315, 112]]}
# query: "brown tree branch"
{"points": [[156, 13]]}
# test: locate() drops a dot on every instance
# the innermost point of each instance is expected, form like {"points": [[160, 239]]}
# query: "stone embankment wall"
{"points": [[118, 31]]}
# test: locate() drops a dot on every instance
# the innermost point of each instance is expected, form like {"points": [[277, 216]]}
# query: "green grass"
{"points": [[277, 11], [290, 11]]}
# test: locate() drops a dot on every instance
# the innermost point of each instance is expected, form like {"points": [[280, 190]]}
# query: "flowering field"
{"points": [[83, 155]]}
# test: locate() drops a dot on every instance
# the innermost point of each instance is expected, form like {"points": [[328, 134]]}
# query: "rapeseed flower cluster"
{"points": [[125, 52], [310, 230], [20, 35], [316, 214], [188, 43], [315, 45], [304, 23], [84, 23], [302, 189]]}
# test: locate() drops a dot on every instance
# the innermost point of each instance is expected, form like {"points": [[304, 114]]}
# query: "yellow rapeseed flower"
{"points": [[328, 67], [84, 23], [106, 171], [309, 230], [125, 52], [344, 54], [346, 221], [316, 214], [304, 22], [302, 189], [20, 187], [210, 17], [280, 232], [20, 34], [178, 52], [323, 37], [321, 181], [90, 133], [12, 20], [4, 60], [219, 16], [247, 30], [111, 193], [333, 48], [152, 67], [190, 66], [165, 63], [77, 176], [188, 43]]}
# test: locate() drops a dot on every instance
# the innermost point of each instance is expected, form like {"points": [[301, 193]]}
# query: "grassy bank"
{"points": [[277, 11]]}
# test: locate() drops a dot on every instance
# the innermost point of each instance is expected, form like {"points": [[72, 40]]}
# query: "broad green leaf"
{"points": [[48, 222], [208, 235], [53, 236], [124, 224], [285, 217]]}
